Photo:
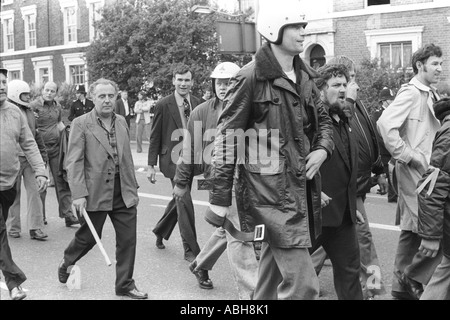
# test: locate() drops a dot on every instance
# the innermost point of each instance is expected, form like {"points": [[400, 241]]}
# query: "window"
{"points": [[396, 55], [43, 69], [94, 6], [15, 69], [75, 66], [7, 18], [5, 2], [69, 9], [29, 19], [9, 30], [77, 74], [377, 2], [394, 46], [71, 24]]}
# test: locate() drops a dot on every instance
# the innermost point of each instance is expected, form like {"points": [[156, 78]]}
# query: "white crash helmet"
{"points": [[274, 16], [15, 89], [225, 70]]}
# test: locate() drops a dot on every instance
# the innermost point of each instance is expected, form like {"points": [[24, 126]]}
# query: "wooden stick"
{"points": [[96, 237]]}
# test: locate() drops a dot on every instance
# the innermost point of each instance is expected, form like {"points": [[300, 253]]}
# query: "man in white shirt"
{"points": [[123, 108]]}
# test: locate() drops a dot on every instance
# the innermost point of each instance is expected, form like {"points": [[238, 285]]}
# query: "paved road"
{"points": [[162, 273]]}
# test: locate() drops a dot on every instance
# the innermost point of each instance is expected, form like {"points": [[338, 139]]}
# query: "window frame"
{"points": [[65, 6], [42, 62], [395, 35], [14, 65], [27, 12], [5, 17]]}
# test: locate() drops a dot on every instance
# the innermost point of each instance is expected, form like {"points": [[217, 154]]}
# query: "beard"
{"points": [[339, 109]]}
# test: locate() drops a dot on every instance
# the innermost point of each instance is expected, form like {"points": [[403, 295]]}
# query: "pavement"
{"points": [[140, 159]]}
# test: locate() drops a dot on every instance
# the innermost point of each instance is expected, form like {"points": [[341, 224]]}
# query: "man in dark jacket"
{"points": [[434, 213], [339, 175], [273, 104], [171, 116]]}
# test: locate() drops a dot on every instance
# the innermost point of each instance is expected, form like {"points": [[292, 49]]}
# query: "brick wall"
{"points": [[339, 5], [353, 44]]}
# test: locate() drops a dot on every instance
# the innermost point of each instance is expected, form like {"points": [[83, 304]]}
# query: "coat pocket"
{"points": [[266, 183]]}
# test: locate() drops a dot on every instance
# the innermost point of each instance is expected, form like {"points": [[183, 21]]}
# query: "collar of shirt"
{"points": [[180, 99], [99, 119]]}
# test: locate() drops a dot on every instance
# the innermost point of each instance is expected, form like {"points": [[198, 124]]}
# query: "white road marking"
{"points": [[206, 204]]}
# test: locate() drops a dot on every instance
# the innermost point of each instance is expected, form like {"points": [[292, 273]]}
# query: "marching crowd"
{"points": [[287, 152]]}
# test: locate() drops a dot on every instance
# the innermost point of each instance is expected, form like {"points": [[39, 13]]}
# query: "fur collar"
{"points": [[268, 68]]}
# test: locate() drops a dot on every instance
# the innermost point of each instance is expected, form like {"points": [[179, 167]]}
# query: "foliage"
{"points": [[372, 77], [142, 41]]}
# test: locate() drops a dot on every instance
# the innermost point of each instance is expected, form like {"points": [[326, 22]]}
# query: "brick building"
{"points": [[390, 30], [46, 40]]}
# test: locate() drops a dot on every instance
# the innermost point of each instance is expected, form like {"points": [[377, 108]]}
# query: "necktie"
{"points": [[187, 108]]}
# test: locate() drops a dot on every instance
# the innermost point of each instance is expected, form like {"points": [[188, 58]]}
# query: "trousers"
{"points": [[439, 286], [181, 211], [413, 263], [14, 276], [35, 216], [241, 256], [124, 221]]}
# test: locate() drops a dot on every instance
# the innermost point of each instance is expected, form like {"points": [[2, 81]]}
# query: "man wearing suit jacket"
{"points": [[100, 171], [339, 173], [171, 115], [124, 108], [80, 106]]}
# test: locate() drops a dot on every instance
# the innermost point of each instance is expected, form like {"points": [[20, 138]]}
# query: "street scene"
{"points": [[224, 150], [163, 272]]}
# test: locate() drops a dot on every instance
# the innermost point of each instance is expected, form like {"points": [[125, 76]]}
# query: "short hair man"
{"points": [[170, 119], [274, 98], [49, 123], [81, 105], [408, 128], [124, 107], [14, 132], [101, 176]]}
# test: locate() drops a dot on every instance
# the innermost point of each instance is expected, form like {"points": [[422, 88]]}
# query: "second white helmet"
{"points": [[15, 89], [274, 16], [225, 70]]}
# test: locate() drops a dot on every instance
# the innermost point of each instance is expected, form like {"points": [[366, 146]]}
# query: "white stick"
{"points": [[96, 237]]}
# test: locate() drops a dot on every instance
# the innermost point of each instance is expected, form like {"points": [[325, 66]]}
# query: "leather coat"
{"points": [[271, 187], [434, 208]]}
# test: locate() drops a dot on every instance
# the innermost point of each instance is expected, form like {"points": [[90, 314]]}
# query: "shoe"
{"points": [[14, 234], [38, 234], [202, 276], [63, 275], [398, 295], [159, 242], [189, 256], [70, 221], [17, 293], [414, 288], [133, 294]]}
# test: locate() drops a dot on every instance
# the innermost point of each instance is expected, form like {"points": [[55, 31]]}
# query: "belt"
{"points": [[217, 221]]}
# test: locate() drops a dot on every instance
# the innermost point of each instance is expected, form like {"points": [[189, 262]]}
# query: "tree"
{"points": [[373, 77], [142, 41]]}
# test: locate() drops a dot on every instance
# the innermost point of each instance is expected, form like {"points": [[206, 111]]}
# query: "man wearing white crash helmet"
{"points": [[241, 255], [19, 94], [275, 100], [15, 136]]}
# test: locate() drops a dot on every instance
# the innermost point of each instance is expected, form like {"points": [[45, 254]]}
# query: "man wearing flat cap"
{"points": [[82, 105]]}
